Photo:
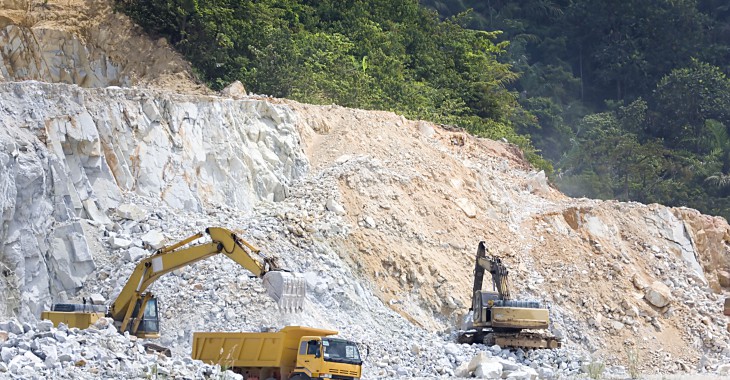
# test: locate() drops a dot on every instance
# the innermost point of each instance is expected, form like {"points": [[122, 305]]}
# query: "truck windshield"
{"points": [[339, 350]]}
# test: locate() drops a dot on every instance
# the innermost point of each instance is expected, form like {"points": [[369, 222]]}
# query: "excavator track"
{"points": [[512, 340], [524, 340]]}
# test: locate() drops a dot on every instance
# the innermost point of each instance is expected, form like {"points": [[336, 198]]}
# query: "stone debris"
{"points": [[99, 352]]}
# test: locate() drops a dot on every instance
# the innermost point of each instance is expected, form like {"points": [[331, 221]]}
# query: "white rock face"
{"points": [[43, 249], [673, 229], [70, 153], [63, 58]]}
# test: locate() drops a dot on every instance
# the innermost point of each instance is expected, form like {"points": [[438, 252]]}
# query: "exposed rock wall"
{"points": [[38, 238], [68, 153], [56, 56], [711, 238], [87, 43]]}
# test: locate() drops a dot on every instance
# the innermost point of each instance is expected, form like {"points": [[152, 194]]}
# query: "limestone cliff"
{"points": [[68, 154], [85, 42]]}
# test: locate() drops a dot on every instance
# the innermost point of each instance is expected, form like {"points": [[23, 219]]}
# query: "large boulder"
{"points": [[489, 370], [483, 366], [658, 294], [154, 239], [235, 90]]}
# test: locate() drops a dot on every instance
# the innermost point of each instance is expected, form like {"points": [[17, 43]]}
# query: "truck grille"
{"points": [[342, 372]]}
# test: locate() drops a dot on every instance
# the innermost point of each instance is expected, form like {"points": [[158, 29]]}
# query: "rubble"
{"points": [[46, 352]]}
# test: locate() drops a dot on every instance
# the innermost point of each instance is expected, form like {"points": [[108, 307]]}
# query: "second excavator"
{"points": [[135, 309], [495, 318]]}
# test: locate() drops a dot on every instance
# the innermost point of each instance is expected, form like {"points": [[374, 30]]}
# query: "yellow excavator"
{"points": [[135, 309], [495, 318]]}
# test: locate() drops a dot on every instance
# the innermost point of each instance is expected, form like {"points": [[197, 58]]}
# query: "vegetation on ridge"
{"points": [[632, 97], [627, 101], [386, 55]]}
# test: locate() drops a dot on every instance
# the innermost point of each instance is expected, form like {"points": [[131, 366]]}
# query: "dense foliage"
{"points": [[627, 100], [632, 98], [390, 55]]}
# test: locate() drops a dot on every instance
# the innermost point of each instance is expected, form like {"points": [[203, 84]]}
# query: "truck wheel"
{"points": [[299, 376]]}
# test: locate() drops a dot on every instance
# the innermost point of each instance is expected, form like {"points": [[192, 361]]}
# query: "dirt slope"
{"points": [[424, 197]]}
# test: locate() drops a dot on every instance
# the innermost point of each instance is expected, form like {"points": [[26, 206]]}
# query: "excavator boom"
{"points": [[493, 265], [287, 289]]}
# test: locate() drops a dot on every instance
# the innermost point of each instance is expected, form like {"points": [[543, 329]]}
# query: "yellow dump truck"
{"points": [[294, 352]]}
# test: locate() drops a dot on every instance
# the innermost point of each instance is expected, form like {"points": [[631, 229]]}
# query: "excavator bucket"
{"points": [[286, 288]]}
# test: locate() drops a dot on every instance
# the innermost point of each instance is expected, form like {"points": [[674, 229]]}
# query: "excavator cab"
{"points": [[148, 324], [483, 302]]}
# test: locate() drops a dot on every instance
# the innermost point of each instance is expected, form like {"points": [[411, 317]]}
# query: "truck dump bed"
{"points": [[255, 350]]}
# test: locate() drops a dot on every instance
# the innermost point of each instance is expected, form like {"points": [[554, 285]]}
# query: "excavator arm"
{"points": [[284, 287], [493, 265]]}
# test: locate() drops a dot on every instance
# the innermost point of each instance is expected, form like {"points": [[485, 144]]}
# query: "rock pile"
{"points": [[99, 352]]}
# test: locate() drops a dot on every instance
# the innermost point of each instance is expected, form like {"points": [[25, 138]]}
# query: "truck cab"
{"points": [[328, 358]]}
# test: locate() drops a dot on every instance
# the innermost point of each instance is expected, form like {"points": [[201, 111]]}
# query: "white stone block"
{"points": [[117, 242], [131, 212], [488, 370], [135, 254], [658, 294], [154, 239]]}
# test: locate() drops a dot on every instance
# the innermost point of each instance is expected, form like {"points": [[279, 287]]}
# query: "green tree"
{"points": [[607, 149], [684, 101]]}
